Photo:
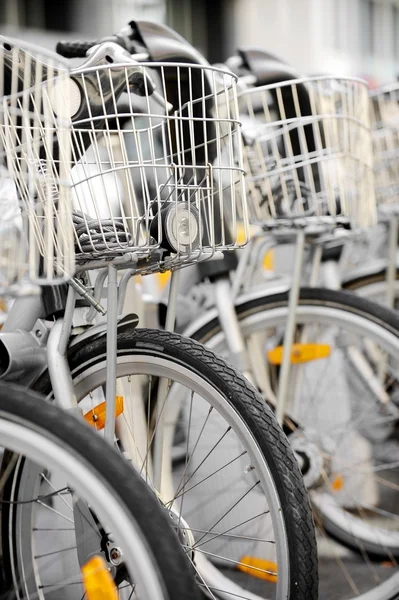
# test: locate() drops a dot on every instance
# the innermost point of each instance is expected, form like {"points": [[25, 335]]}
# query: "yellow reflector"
{"points": [[163, 279], [337, 483], [300, 353], [97, 580], [96, 416], [257, 567], [241, 236], [3, 305], [268, 261]]}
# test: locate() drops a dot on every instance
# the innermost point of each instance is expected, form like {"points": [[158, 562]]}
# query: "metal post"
{"points": [[163, 386], [67, 321], [298, 372], [238, 355], [243, 262], [57, 360], [314, 274], [112, 326], [172, 301], [290, 328], [392, 251]]}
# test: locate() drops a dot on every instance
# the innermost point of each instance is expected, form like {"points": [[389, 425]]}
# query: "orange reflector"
{"points": [[96, 416], [257, 567], [387, 563], [300, 353], [97, 580], [337, 483]]}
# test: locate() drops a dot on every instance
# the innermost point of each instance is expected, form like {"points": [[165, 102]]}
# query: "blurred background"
{"points": [[353, 37]]}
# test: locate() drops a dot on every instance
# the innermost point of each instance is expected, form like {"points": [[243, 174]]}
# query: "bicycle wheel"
{"points": [[76, 520], [348, 410], [238, 494]]}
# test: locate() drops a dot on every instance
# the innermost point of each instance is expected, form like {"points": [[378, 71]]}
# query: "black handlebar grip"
{"points": [[74, 49]]}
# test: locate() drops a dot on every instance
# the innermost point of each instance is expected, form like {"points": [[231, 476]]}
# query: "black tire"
{"points": [[258, 418], [356, 283], [387, 318], [347, 301], [29, 408]]}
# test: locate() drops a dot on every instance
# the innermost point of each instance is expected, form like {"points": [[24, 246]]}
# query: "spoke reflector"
{"points": [[337, 483], [97, 580], [258, 567], [96, 416], [300, 353]]}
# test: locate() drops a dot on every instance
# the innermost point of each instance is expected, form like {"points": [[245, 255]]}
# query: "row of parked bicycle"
{"points": [[196, 439]]}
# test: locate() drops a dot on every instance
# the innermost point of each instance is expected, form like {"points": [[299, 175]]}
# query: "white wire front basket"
{"points": [[384, 104], [308, 151], [161, 174], [36, 232]]}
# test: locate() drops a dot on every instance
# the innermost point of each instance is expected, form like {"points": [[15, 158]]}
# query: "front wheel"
{"points": [[237, 494], [76, 520], [344, 394]]}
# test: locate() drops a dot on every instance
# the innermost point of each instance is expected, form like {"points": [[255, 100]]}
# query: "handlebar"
{"points": [[126, 39], [161, 45], [74, 49]]}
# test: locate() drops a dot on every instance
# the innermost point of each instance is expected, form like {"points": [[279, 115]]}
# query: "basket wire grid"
{"points": [[308, 152], [36, 233], [163, 170], [384, 104]]}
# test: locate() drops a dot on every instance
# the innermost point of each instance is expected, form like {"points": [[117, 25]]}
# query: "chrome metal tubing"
{"points": [[290, 328], [58, 367], [163, 386], [112, 326], [392, 251]]}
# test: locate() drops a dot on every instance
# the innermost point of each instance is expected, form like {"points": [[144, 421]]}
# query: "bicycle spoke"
{"points": [[238, 563], [53, 510], [55, 552], [58, 495], [185, 491], [197, 543]]}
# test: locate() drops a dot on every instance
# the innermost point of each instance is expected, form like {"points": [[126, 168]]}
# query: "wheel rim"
{"points": [[46, 452], [255, 320], [92, 376]]}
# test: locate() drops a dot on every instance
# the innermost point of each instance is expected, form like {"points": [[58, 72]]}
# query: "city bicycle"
{"points": [[163, 212]]}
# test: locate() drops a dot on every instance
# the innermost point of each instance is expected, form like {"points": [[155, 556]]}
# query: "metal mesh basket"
{"points": [[308, 151], [158, 172], [384, 104], [36, 234]]}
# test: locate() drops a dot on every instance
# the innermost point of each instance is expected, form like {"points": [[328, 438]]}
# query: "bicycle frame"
{"points": [[246, 354]]}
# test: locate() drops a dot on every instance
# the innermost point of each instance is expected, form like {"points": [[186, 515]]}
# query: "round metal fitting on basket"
{"points": [[65, 89], [180, 228]]}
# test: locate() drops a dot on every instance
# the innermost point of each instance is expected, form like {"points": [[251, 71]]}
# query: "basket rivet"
{"points": [[38, 333]]}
